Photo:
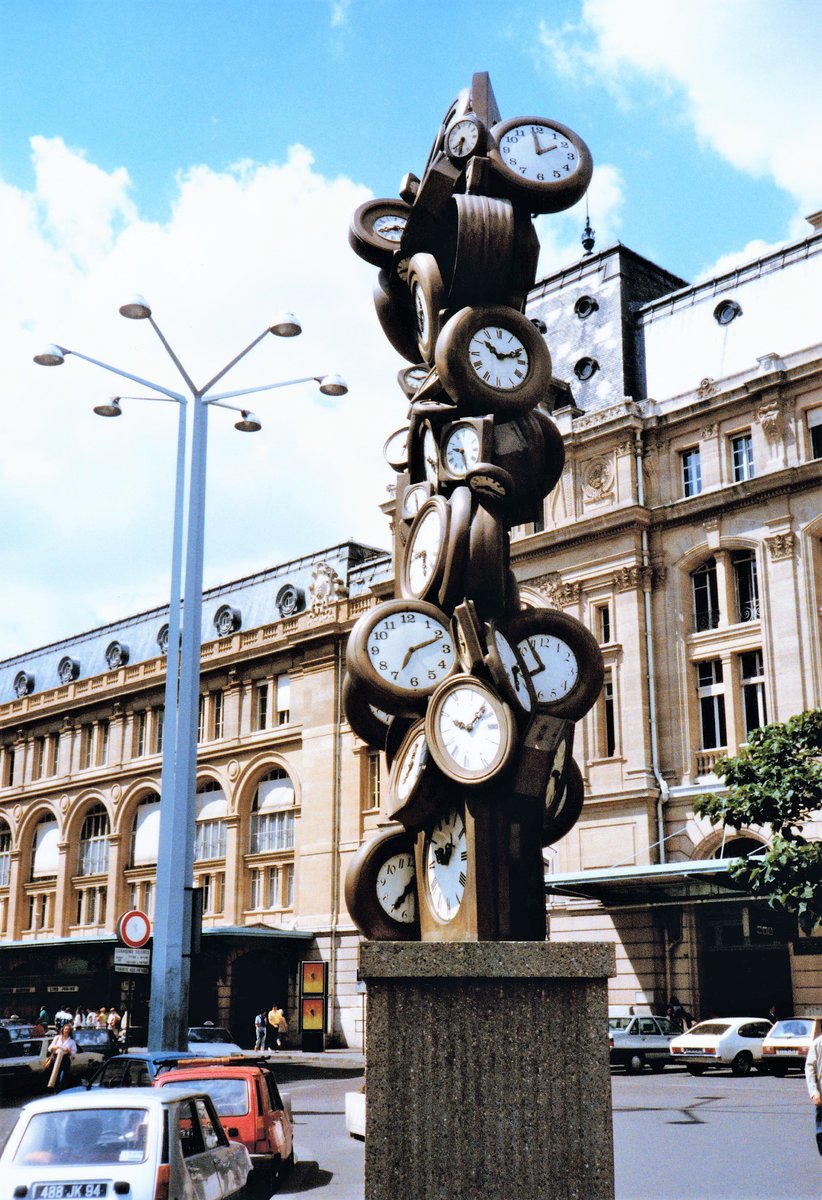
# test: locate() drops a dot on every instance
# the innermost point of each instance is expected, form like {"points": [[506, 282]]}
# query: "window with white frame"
{"points": [[217, 714], [141, 896], [371, 799], [140, 725], [103, 732], [86, 746], [711, 694], [159, 723], [691, 472], [603, 623], [752, 683], [201, 718], [93, 847], [815, 432], [91, 906], [283, 684], [145, 833], [705, 595], [210, 830], [742, 461], [38, 766], [261, 705], [53, 753], [747, 585], [5, 854], [213, 888], [272, 813], [607, 717]]}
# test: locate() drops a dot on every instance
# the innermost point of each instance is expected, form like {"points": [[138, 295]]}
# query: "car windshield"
{"points": [[710, 1029], [77, 1137], [91, 1037], [792, 1028], [230, 1096], [619, 1022], [209, 1033]]}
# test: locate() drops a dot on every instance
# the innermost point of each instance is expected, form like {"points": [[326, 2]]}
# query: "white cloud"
{"points": [[560, 233], [88, 503]]}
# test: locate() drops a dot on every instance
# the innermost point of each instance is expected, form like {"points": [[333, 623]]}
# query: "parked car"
{"points": [[635, 1041], [788, 1043], [250, 1106], [211, 1039], [135, 1070], [734, 1042], [23, 1059], [142, 1143]]}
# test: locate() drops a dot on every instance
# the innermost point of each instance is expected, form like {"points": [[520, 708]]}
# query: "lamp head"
{"points": [[247, 423], [137, 309], [52, 356], [332, 385], [286, 325], [112, 409]]}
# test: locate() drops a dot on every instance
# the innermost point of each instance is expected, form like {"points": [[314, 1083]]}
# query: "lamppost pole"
{"points": [[171, 958]]}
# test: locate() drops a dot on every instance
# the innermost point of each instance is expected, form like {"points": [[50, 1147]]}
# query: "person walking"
{"points": [[272, 1035], [260, 1022], [813, 1078], [61, 1049]]}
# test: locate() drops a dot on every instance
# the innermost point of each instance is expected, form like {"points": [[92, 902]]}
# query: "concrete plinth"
{"points": [[487, 1071]]}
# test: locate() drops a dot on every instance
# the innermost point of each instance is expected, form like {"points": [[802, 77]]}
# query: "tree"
{"points": [[777, 781]]}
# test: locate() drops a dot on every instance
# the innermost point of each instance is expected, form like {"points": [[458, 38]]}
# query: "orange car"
{"points": [[249, 1105]]}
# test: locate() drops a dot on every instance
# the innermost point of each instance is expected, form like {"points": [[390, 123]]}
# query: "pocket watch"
{"points": [[381, 887], [376, 230], [400, 652], [507, 670], [368, 722], [428, 300], [395, 450], [493, 359], [445, 864], [471, 731], [563, 659], [416, 787], [464, 137], [540, 162]]}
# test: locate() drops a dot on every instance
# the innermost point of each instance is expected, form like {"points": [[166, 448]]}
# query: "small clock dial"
{"points": [[462, 139], [470, 730], [425, 548], [390, 227], [376, 230], [414, 760], [462, 449], [395, 450], [552, 664], [446, 864], [396, 887], [498, 357], [430, 455], [413, 499]]}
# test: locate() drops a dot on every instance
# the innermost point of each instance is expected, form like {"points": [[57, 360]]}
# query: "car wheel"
{"points": [[695, 1068], [742, 1063], [634, 1063]]}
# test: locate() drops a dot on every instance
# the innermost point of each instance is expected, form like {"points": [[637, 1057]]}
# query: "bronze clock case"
{"points": [[368, 721], [376, 230], [381, 887], [555, 639], [552, 169]]}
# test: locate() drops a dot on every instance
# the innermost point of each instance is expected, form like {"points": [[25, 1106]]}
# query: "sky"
{"points": [[209, 156]]}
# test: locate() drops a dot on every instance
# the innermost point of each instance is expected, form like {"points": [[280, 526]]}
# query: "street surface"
{"points": [[676, 1137]]}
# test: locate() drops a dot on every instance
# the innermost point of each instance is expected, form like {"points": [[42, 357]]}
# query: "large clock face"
{"points": [[410, 651], [446, 864], [396, 887], [462, 449], [471, 732], [539, 153], [552, 664], [498, 357]]}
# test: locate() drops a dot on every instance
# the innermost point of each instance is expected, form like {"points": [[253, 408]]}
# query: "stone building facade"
{"points": [[685, 532]]}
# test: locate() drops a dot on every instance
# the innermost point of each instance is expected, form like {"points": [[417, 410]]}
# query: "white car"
{"points": [[734, 1042], [139, 1142], [207, 1040]]}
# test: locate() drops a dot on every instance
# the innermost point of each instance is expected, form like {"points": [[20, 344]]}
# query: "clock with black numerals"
{"points": [[381, 887]]}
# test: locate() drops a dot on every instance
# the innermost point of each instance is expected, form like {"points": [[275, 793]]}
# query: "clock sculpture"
{"points": [[471, 695]]}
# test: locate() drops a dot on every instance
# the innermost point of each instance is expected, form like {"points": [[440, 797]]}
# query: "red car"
{"points": [[249, 1105]]}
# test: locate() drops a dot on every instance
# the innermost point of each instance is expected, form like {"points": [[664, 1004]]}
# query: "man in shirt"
{"points": [[813, 1078]]}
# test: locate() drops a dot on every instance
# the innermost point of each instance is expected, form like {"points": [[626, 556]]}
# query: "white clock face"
{"points": [[411, 651], [462, 449], [512, 666], [498, 357], [413, 500], [395, 450], [552, 665], [423, 316], [390, 227], [446, 864], [430, 455], [412, 766], [423, 549], [539, 153], [470, 729], [396, 887], [462, 138]]}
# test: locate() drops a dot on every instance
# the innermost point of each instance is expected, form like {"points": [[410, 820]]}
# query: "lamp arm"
{"points": [[127, 375], [172, 355], [233, 363], [265, 387]]}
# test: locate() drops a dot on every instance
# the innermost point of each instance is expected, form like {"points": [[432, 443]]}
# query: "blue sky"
{"points": [[209, 155]]}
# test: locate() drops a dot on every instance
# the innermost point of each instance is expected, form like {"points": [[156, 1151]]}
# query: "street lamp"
{"points": [[171, 959]]}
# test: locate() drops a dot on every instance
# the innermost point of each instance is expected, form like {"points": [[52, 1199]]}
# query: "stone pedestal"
{"points": [[487, 1071]]}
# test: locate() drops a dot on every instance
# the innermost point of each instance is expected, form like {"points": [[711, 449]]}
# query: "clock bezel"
{"points": [[471, 777], [440, 505], [458, 376], [425, 278], [384, 693], [542, 196], [361, 877], [552, 622], [365, 241]]}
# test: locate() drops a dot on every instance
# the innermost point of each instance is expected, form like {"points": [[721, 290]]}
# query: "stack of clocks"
{"points": [[471, 696]]}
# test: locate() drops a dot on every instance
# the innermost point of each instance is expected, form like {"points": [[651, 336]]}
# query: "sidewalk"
{"points": [[331, 1060]]}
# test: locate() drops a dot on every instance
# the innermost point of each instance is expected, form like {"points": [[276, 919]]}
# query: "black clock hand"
{"points": [[493, 349], [409, 888], [420, 645]]}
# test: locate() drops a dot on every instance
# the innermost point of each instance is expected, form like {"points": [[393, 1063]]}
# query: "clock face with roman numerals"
{"points": [[446, 864], [498, 357]]}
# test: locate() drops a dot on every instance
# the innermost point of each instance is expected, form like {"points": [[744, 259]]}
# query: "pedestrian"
{"points": [[79, 1017], [43, 1016], [91, 1020], [62, 1017], [114, 1022], [772, 1014], [682, 1019], [260, 1021], [61, 1049], [272, 1033], [813, 1078], [282, 1030]]}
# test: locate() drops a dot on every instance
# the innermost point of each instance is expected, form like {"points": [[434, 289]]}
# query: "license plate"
{"points": [[790, 1050], [68, 1191]]}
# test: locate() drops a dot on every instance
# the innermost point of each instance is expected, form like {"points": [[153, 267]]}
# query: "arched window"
{"points": [[44, 853], [272, 813], [93, 856], [5, 854], [738, 847], [706, 595], [145, 835], [209, 838]]}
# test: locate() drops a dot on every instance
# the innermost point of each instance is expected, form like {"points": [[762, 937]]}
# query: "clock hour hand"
{"points": [[409, 888], [481, 711], [420, 645], [493, 349]]}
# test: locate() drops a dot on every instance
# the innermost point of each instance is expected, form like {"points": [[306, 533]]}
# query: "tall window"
{"points": [[752, 681], [607, 723], [5, 854], [159, 722], [747, 585], [8, 768], [711, 693], [742, 463], [39, 764], [706, 595], [217, 714], [140, 724], [145, 834], [815, 432], [213, 885], [53, 753], [86, 744], [103, 731], [691, 472], [372, 796], [201, 718], [272, 814], [604, 623], [283, 699], [261, 706], [93, 857], [210, 834]]}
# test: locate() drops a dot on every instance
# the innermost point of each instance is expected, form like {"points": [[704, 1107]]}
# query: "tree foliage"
{"points": [[777, 781]]}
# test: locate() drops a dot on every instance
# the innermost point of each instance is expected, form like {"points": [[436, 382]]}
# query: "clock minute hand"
{"points": [[493, 349], [409, 888], [420, 645]]}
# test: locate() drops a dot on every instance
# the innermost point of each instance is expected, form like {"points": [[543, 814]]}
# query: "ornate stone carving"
{"points": [[707, 387], [769, 415], [781, 545], [628, 578], [625, 447], [326, 588], [557, 593], [597, 480], [708, 431]]}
